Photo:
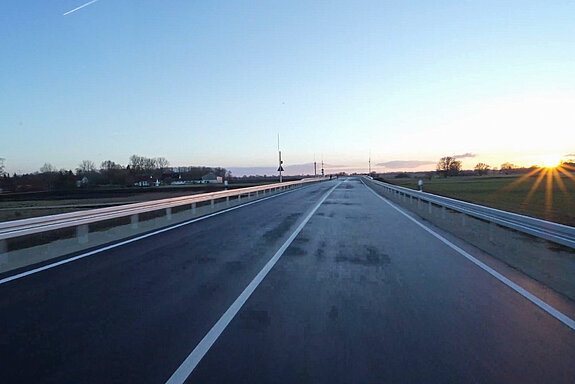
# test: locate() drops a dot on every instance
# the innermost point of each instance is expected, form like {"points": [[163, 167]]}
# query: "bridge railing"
{"points": [[541, 249], [29, 241]]}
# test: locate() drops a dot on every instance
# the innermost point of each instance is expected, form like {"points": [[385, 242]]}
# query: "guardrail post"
{"points": [[194, 209], [418, 203], [239, 198], [492, 227], [3, 250], [443, 213], [430, 206], [134, 221], [82, 233], [227, 200], [212, 203], [169, 213], [463, 215]]}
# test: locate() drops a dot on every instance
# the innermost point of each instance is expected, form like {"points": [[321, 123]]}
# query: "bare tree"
{"points": [[149, 164], [109, 165], [48, 168], [137, 162], [508, 166], [482, 169], [448, 166], [2, 166], [86, 166], [162, 162]]}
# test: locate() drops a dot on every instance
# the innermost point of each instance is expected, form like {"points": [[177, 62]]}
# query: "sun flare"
{"points": [[551, 161]]}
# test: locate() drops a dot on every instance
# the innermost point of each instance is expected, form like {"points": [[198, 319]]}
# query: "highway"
{"points": [[355, 292]]}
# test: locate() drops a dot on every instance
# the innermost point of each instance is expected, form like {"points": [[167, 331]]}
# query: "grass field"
{"points": [[549, 196]]}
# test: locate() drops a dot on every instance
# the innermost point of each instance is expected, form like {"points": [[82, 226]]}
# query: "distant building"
{"points": [[80, 183], [211, 178]]}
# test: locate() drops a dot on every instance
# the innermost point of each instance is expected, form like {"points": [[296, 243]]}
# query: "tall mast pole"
{"points": [[280, 168], [369, 162]]}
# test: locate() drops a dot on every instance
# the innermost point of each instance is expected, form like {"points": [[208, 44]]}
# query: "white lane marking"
{"points": [[58, 263], [190, 363], [522, 291]]}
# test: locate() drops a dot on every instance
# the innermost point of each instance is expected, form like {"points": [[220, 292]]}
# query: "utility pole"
{"points": [[322, 174], [280, 168], [314, 166]]}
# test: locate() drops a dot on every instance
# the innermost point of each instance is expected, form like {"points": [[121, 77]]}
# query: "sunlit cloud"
{"points": [[400, 164], [465, 155]]}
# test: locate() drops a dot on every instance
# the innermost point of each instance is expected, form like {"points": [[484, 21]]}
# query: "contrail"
{"points": [[80, 7]]}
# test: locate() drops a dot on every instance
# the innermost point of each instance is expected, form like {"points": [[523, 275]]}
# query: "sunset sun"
{"points": [[551, 161]]}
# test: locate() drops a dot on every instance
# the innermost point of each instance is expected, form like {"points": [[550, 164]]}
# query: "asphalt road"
{"points": [[361, 295]]}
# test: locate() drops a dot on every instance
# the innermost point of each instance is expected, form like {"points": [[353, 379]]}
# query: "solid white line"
{"points": [[80, 7], [190, 363], [65, 261], [522, 291]]}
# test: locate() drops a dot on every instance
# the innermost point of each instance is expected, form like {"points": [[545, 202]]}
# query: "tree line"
{"points": [[450, 166], [109, 173]]}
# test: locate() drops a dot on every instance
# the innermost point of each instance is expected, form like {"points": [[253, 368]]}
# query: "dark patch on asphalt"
{"points": [[205, 259], [339, 203], [314, 192], [370, 257], [349, 186], [282, 228], [234, 266], [295, 251], [253, 319], [208, 289], [333, 313], [302, 239], [320, 251], [320, 214], [320, 254]]}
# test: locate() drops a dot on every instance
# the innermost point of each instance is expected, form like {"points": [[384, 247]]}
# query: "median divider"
{"points": [[31, 241], [542, 250]]}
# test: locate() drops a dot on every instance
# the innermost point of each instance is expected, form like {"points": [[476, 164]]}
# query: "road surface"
{"points": [[361, 295]]}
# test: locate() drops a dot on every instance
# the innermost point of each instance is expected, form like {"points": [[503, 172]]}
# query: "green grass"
{"points": [[552, 199]]}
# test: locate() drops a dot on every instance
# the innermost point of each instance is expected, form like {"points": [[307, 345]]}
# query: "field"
{"points": [[26, 205], [547, 196]]}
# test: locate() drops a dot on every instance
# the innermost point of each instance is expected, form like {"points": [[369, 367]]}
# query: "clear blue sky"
{"points": [[213, 82]]}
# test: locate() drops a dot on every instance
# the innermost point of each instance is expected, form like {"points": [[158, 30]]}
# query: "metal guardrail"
{"points": [[557, 233], [80, 219]]}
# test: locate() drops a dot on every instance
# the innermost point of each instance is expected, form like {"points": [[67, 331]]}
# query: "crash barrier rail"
{"points": [[557, 233], [27, 241], [541, 249]]}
